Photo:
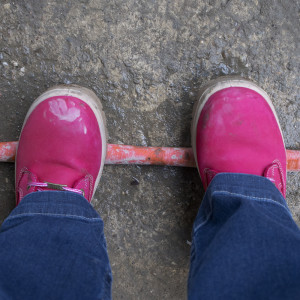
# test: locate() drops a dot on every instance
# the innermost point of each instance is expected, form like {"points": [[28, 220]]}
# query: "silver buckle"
{"points": [[55, 186]]}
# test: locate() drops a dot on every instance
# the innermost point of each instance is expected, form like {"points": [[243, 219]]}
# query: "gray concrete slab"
{"points": [[146, 61]]}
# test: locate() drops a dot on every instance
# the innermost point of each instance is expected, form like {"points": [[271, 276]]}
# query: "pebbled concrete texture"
{"points": [[146, 61]]}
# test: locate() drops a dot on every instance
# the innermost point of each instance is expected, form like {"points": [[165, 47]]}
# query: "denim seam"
{"points": [[265, 200], [207, 217], [203, 223], [54, 215]]}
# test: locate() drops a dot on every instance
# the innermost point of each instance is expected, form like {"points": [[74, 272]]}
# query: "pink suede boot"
{"points": [[62, 144], [235, 130]]}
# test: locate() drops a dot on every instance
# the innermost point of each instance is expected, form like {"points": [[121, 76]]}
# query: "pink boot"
{"points": [[62, 144], [235, 130]]}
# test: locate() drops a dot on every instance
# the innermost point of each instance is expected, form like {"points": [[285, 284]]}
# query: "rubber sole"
{"points": [[87, 96], [216, 85]]}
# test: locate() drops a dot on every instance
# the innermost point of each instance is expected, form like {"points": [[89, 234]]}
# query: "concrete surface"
{"points": [[146, 60]]}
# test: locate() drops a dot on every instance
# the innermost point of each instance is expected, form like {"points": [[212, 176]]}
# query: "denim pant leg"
{"points": [[52, 246], [245, 242]]}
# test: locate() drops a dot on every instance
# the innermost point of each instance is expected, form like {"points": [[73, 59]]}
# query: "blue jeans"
{"points": [[245, 246]]}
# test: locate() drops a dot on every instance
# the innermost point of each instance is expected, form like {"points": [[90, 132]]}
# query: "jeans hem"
{"points": [[248, 185], [55, 204], [253, 188]]}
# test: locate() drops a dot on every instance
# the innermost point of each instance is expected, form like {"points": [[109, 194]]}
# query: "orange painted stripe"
{"points": [[8, 151], [293, 160], [124, 154], [167, 156]]}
